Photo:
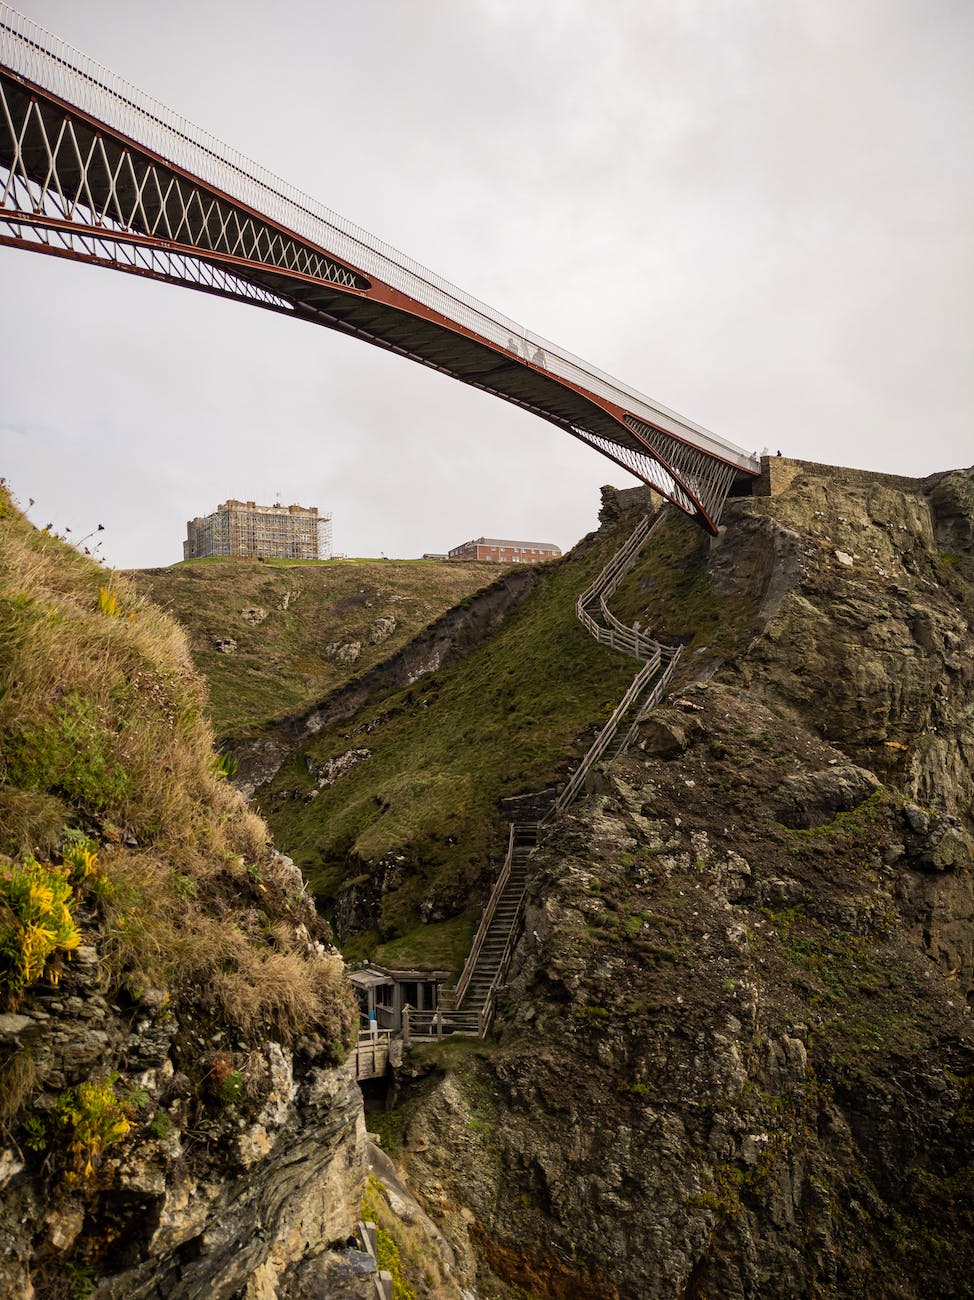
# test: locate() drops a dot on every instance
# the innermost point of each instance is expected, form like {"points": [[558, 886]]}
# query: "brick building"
{"points": [[505, 552], [245, 529]]}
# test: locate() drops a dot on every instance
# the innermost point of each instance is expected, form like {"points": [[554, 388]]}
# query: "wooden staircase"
{"points": [[494, 942], [658, 660], [490, 953]]}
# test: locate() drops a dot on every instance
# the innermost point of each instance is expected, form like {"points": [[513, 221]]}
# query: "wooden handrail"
{"points": [[620, 561], [652, 699], [602, 740], [643, 646], [659, 662], [614, 633], [487, 1008], [488, 915]]}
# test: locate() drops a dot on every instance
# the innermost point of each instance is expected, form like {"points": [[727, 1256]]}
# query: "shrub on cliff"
{"points": [[104, 744], [36, 922]]}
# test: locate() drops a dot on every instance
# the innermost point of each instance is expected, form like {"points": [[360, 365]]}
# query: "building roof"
{"points": [[370, 974], [500, 541], [367, 978]]}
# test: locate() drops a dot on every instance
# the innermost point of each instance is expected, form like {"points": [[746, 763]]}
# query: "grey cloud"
{"points": [[757, 213]]}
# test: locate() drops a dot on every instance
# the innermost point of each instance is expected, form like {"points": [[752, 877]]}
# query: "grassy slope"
{"points": [[102, 732], [671, 594], [645, 953], [505, 721], [280, 665]]}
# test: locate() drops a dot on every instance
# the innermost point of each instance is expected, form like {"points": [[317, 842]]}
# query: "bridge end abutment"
{"points": [[778, 473]]}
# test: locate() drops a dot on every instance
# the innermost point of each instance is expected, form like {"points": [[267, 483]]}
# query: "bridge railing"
{"points": [[31, 51]]}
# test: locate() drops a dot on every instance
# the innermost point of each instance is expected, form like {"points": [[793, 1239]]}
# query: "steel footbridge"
{"points": [[93, 169]]}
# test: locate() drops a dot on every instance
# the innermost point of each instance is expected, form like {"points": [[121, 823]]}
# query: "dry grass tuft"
{"points": [[247, 835], [18, 1075], [31, 822], [102, 729], [280, 992]]}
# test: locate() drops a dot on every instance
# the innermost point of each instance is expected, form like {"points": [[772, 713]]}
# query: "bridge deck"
{"points": [[93, 168]]}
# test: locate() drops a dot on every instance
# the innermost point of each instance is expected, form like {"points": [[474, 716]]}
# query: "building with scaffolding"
{"points": [[255, 532]]}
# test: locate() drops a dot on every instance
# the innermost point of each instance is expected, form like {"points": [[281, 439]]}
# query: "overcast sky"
{"points": [[758, 212]]}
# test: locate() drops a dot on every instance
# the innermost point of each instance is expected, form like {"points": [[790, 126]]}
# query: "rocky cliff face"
{"points": [[175, 1120], [736, 1055], [226, 1177]]}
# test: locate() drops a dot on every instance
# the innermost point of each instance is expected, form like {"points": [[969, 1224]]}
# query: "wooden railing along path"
{"points": [[370, 1055], [474, 996]]}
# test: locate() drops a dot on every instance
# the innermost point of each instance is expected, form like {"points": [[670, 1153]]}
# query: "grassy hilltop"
{"points": [[299, 629]]}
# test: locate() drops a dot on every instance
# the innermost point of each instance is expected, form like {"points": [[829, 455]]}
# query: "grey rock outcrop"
{"points": [[736, 1049], [204, 1199]]}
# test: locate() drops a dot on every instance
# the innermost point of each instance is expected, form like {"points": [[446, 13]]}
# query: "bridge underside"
{"points": [[76, 188]]}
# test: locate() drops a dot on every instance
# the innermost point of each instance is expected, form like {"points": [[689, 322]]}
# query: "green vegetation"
{"points": [[670, 592], [161, 1125], [854, 836], [405, 1251], [451, 1054], [388, 1126], [388, 1243], [867, 1000], [440, 945], [281, 664], [95, 1119], [225, 1083], [507, 720], [81, 1123], [443, 753], [36, 922], [107, 763]]}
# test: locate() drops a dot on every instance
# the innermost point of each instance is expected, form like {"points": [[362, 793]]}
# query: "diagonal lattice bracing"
{"points": [[644, 466], [56, 168], [101, 249], [708, 479], [145, 190]]}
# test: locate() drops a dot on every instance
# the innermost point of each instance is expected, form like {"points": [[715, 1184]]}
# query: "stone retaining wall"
{"points": [[779, 472]]}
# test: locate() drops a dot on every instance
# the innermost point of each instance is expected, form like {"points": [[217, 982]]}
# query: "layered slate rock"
{"points": [[736, 1053]]}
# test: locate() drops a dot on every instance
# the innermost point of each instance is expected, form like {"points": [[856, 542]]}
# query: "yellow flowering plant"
{"points": [[80, 857], [36, 921], [96, 1119]]}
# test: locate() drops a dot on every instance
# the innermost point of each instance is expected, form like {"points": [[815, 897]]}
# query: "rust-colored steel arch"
{"points": [[94, 170]]}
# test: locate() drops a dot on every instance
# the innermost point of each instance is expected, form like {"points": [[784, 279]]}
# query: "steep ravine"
{"points": [[447, 639], [735, 1056]]}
